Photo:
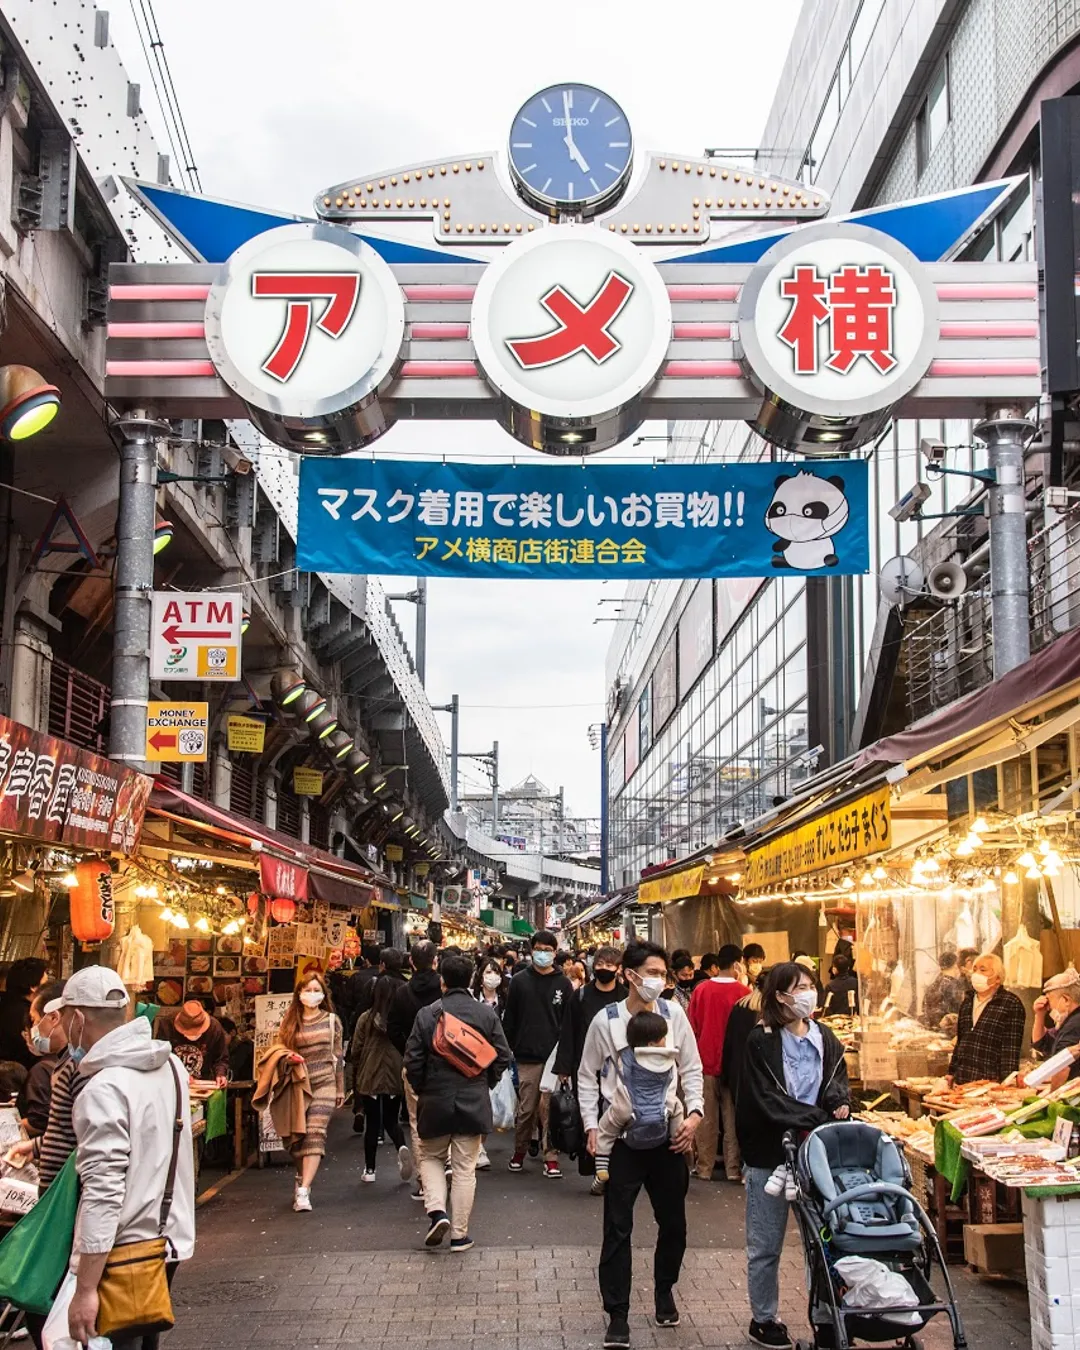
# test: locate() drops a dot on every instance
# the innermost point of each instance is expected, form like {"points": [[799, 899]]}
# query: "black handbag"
{"points": [[564, 1121]]}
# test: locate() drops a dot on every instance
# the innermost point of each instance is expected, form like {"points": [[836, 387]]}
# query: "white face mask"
{"points": [[803, 1002], [650, 987], [311, 998], [492, 979], [979, 982], [1057, 1016]]}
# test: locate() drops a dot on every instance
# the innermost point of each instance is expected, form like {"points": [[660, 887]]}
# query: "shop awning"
{"points": [[522, 928], [328, 877], [599, 911]]}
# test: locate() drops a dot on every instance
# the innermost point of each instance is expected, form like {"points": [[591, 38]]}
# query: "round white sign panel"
{"points": [[305, 320], [571, 322], [838, 320]]}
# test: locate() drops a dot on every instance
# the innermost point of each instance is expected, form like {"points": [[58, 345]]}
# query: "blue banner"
{"points": [[560, 520]]}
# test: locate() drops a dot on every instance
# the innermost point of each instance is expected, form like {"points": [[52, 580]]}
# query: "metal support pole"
{"points": [[494, 786], [603, 810], [454, 708], [1006, 435], [421, 628], [134, 588]]}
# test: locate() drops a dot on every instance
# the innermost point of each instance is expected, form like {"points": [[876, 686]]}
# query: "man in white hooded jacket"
{"points": [[125, 1124], [662, 1170]]}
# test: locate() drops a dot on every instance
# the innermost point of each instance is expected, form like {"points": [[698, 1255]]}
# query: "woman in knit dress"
{"points": [[312, 1031]]}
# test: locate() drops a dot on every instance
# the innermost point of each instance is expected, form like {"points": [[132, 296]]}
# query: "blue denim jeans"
{"points": [[766, 1223]]}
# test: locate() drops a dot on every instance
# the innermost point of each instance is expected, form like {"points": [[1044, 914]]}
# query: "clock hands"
{"points": [[575, 153]]}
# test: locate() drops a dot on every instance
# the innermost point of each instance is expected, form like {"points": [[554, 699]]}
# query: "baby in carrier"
{"points": [[645, 1109]]}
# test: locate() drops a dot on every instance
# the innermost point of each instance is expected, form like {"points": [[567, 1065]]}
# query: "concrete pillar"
{"points": [[31, 669], [305, 820], [273, 778], [220, 775]]}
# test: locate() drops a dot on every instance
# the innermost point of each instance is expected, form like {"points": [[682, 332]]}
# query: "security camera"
{"points": [[907, 508], [932, 449]]}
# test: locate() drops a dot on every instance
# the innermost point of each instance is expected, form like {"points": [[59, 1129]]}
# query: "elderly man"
{"points": [[990, 1028], [1060, 1005], [127, 1140]]}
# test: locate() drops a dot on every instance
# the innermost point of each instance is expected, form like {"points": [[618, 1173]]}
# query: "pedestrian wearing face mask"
{"points": [[49, 1045], [311, 1032], [1057, 1021], [990, 1027], [792, 1078], [661, 1169], [753, 955], [682, 968], [532, 1021]]}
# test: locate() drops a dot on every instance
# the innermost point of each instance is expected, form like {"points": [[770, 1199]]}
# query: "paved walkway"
{"points": [[354, 1274]]}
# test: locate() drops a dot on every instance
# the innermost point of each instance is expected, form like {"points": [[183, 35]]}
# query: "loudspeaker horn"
{"points": [[948, 581]]}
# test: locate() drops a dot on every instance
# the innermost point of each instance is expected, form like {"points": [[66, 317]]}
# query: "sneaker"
{"points": [[667, 1315], [417, 1194], [440, 1226], [534, 1148], [773, 1335], [483, 1162], [302, 1199], [461, 1244], [552, 1169], [617, 1336], [598, 1187], [369, 1175], [405, 1163], [517, 1162]]}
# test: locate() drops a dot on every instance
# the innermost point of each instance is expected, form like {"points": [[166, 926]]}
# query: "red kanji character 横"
{"points": [[861, 300], [805, 288]]}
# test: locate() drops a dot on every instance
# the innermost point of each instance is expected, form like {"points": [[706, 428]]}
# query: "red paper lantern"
{"points": [[253, 904], [283, 910], [92, 902]]}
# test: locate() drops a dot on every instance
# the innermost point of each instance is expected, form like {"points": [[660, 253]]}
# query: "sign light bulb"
{"points": [[1026, 859], [180, 921], [70, 880], [1010, 878], [979, 825]]}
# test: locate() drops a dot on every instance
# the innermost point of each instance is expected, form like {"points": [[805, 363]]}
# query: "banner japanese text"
{"points": [[857, 829]]}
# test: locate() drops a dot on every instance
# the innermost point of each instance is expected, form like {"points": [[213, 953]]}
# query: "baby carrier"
{"points": [[647, 1090]]}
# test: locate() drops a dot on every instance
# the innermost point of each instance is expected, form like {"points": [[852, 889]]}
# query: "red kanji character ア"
{"points": [[862, 300], [805, 288]]}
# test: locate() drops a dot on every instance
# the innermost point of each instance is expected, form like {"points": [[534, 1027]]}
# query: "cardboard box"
{"points": [[994, 1247]]}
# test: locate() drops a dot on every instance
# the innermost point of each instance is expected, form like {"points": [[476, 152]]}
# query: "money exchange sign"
{"points": [[545, 520]]}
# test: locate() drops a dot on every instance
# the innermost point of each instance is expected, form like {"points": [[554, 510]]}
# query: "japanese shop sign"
{"points": [[245, 734], [556, 520], [305, 321], [307, 782], [195, 635], [855, 830], [284, 880], [177, 731], [52, 791], [571, 323], [838, 320], [675, 886]]}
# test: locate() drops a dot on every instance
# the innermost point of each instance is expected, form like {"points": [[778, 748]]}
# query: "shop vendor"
{"points": [[1057, 1020], [198, 1042], [990, 1027]]}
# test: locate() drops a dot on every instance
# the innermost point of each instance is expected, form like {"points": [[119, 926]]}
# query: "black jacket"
{"points": [[741, 1021], [1062, 1038], [992, 1046], [447, 1101], [580, 1011], [14, 1020], [359, 993], [837, 1002], [423, 988], [764, 1109], [533, 1019], [37, 1093]]}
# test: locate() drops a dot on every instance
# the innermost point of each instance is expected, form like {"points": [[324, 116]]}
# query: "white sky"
{"points": [[282, 99]]}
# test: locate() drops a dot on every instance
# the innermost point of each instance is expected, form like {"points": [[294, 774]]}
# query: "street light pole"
{"points": [[421, 629], [604, 879], [134, 587], [1007, 435]]}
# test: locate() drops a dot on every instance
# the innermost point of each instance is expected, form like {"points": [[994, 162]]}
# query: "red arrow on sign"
{"points": [[159, 740], [172, 634]]}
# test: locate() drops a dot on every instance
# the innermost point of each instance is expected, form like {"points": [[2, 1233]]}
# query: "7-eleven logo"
{"points": [[340, 290]]}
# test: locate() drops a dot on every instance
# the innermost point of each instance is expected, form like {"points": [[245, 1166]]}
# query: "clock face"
{"points": [[571, 148]]}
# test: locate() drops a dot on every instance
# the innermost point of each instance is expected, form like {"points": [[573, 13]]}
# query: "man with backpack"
{"points": [[661, 1167], [455, 1055]]}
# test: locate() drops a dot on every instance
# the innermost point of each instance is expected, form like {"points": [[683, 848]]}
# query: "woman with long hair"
{"points": [[792, 1078], [377, 1066], [490, 984], [311, 1031]]}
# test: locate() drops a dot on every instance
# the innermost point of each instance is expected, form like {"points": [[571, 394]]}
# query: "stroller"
{"points": [[853, 1198]]}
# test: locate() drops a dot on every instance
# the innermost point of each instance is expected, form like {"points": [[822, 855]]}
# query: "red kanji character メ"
{"points": [[861, 300], [806, 289]]}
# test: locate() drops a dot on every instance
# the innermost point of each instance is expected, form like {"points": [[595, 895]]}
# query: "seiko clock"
{"points": [[571, 150]]}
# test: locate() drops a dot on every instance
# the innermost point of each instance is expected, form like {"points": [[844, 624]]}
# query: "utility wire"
{"points": [[165, 92]]}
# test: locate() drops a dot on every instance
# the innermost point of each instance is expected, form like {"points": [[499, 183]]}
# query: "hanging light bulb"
{"points": [[163, 533], [1033, 873], [1050, 869], [964, 849], [879, 873], [167, 915], [979, 826], [867, 879], [180, 921], [1052, 858], [202, 923], [930, 865], [1026, 859], [70, 880], [1010, 878], [848, 883], [231, 927]]}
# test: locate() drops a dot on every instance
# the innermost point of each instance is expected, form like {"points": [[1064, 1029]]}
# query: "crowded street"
{"points": [[354, 1273]]}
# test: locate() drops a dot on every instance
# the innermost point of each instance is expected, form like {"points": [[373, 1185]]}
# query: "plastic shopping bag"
{"points": [[871, 1284], [55, 1336], [504, 1103], [548, 1081]]}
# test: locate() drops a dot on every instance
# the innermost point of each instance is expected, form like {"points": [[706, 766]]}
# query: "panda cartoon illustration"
{"points": [[805, 512]]}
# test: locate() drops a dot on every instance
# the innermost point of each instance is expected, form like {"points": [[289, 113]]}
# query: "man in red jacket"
{"points": [[710, 1008]]}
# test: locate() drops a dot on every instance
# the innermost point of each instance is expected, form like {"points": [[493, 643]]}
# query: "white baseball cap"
{"points": [[91, 987]]}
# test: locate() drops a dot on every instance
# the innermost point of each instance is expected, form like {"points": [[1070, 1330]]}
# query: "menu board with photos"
{"points": [[281, 947]]}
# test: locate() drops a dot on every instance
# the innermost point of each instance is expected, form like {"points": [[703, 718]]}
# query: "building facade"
{"points": [[724, 696]]}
